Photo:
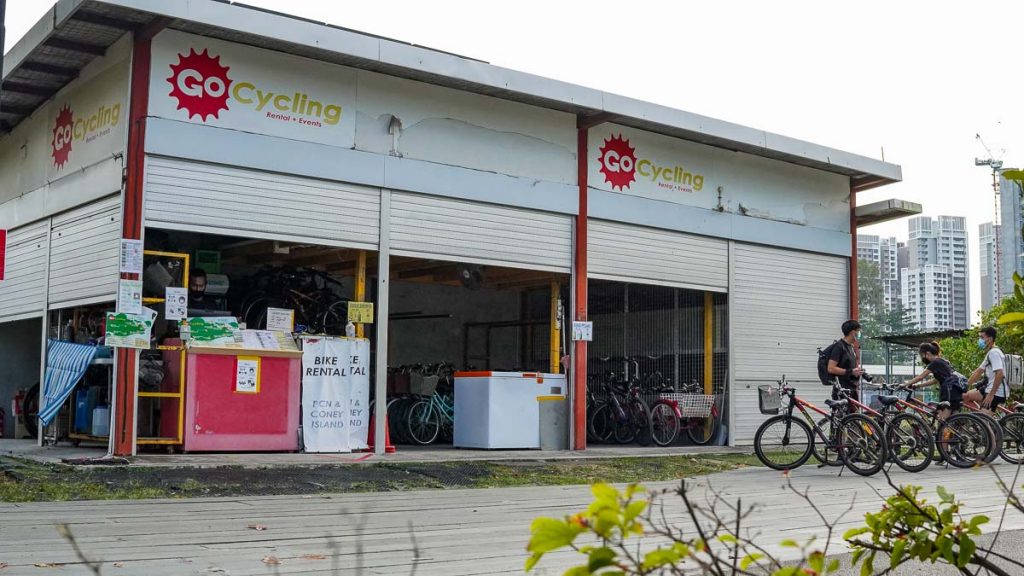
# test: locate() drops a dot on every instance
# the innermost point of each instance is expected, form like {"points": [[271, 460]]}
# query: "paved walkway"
{"points": [[457, 532], [409, 454]]}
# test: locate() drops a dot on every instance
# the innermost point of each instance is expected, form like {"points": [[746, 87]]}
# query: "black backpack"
{"points": [[823, 358]]}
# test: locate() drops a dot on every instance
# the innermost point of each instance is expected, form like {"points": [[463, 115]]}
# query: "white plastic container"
{"points": [[101, 421], [495, 410]]}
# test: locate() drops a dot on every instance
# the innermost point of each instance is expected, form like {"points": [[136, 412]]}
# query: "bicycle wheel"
{"points": [[424, 424], [665, 423], [640, 419], [622, 424], [911, 442], [995, 432], [1012, 448], [963, 440], [862, 445], [704, 430], [783, 442], [30, 411], [600, 425], [827, 453]]}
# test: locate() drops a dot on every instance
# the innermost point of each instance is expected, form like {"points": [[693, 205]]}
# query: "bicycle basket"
{"points": [[692, 405], [769, 400]]}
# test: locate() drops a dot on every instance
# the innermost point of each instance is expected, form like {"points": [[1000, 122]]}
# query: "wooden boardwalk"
{"points": [[456, 532]]}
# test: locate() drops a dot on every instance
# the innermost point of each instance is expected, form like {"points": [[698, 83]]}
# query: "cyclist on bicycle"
{"points": [[992, 392], [941, 370], [842, 362]]}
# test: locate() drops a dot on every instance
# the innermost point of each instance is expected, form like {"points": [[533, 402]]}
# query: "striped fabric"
{"points": [[66, 363]]}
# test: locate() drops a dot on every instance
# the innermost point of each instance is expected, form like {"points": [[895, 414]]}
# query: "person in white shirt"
{"points": [[992, 391]]}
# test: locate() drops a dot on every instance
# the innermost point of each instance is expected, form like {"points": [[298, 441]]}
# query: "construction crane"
{"points": [[996, 164]]}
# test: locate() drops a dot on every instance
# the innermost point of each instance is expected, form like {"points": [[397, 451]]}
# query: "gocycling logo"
{"points": [[621, 166], [63, 134], [618, 162], [67, 130], [202, 87], [200, 84]]}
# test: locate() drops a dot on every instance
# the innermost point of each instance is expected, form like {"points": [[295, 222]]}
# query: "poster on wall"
{"points": [[227, 85], [176, 303], [129, 330], [247, 375], [335, 394], [129, 296], [131, 256]]}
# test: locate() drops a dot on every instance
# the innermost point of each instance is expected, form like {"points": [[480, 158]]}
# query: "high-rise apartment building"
{"points": [[935, 283], [987, 234], [1011, 235], [883, 252]]}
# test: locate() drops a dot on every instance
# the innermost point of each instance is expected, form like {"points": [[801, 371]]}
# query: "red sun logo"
{"points": [[200, 84], [60, 145], [618, 162]]}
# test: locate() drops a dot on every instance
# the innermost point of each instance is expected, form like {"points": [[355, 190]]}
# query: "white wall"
{"points": [[33, 182]]}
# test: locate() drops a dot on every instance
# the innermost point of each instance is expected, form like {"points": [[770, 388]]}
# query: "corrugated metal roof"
{"points": [[74, 31]]}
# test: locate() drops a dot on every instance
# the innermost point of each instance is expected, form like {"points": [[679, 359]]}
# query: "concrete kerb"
{"points": [[27, 449]]}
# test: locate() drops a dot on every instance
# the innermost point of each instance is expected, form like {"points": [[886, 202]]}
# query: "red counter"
{"points": [[218, 418]]}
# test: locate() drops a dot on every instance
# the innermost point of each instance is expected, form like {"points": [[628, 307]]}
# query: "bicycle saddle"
{"points": [[833, 403], [888, 400], [944, 405]]}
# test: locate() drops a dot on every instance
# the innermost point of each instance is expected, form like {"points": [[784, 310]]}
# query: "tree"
{"points": [[871, 296], [876, 319]]}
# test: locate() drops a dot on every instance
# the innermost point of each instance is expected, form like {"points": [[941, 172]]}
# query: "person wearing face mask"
{"points": [[941, 371], [843, 360], [994, 391]]}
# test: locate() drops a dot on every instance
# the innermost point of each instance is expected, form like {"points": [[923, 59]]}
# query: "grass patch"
{"points": [[29, 481]]}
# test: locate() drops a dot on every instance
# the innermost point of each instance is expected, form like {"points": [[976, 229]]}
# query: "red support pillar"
{"points": [[579, 371], [122, 429]]}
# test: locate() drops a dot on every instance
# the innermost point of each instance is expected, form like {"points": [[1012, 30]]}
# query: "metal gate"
{"points": [[232, 201], [438, 228], [22, 292], [84, 245], [629, 253], [785, 305]]}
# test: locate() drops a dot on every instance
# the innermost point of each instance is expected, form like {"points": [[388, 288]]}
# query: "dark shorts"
{"points": [[997, 401], [951, 395]]}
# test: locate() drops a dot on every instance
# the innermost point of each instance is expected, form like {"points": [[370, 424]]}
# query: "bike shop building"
{"points": [[482, 210]]}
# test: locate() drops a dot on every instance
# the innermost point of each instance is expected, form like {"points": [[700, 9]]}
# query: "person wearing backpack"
{"points": [[842, 359], [937, 367], [994, 391]]}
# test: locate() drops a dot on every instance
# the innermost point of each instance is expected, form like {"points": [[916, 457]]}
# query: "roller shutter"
{"points": [[84, 246], [629, 253], [464, 231], [23, 289], [785, 305], [231, 201]]}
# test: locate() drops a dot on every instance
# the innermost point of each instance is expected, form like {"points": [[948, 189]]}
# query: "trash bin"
{"points": [[554, 422]]}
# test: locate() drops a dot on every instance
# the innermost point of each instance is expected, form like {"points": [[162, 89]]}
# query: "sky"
{"points": [[908, 82]]}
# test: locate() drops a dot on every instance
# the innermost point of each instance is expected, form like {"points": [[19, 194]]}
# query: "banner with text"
{"points": [[228, 85], [335, 394]]}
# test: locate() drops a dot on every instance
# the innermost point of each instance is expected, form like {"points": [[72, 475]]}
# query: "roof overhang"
{"points": [[73, 32], [886, 210]]}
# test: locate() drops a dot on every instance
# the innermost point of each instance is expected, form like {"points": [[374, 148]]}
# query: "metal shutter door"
{"points": [[464, 231], [785, 305], [629, 253], [84, 247], [22, 291], [216, 199]]}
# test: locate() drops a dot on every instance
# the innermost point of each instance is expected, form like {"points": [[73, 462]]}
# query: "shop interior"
{"points": [[444, 317]]}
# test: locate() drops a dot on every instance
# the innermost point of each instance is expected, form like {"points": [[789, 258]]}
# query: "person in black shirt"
{"points": [[942, 371], [843, 361]]}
